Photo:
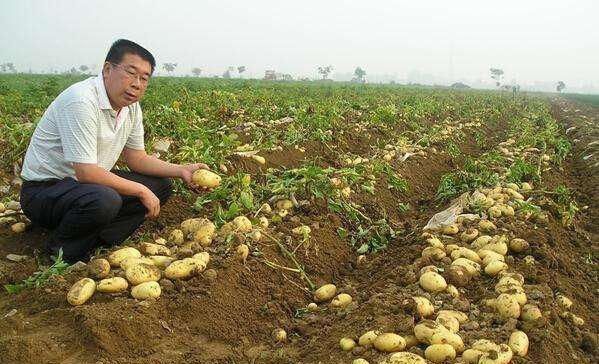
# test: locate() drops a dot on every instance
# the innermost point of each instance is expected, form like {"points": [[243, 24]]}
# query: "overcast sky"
{"points": [[531, 40]]}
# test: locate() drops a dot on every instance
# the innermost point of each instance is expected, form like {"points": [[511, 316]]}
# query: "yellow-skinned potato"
{"points": [[112, 285], [485, 345], [486, 225], [360, 361], [451, 247], [438, 353], [241, 253], [494, 211], [425, 329], [518, 342], [489, 255], [347, 344], [448, 337], [469, 235], [458, 276], [341, 301], [405, 358], [242, 224], [495, 267], [511, 278], [507, 210], [81, 291], [469, 254], [154, 249], [202, 256], [142, 272], [389, 342], [435, 253], [473, 268], [265, 208], [205, 178], [526, 186], [184, 268], [411, 340], [131, 261], [507, 306], [161, 261], [263, 222], [460, 316], [432, 282], [367, 339], [451, 323], [481, 241], [325, 293], [424, 307], [530, 312], [499, 247], [284, 205], [176, 237], [564, 302], [18, 227], [450, 229], [99, 268], [146, 290], [502, 356], [518, 245], [205, 233], [435, 242], [452, 290], [117, 256], [279, 335], [471, 356]]}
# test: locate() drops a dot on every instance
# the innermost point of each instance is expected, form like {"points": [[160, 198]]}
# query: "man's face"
{"points": [[126, 82]]}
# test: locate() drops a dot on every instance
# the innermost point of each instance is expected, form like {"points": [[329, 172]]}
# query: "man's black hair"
{"points": [[123, 46]]}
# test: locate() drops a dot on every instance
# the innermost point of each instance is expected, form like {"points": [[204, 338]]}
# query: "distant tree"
{"points": [[497, 75], [560, 86], [459, 85], [196, 71], [83, 68], [241, 69], [325, 71], [359, 74], [7, 67], [169, 67]]}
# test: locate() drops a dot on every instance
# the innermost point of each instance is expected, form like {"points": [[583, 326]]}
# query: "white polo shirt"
{"points": [[81, 126]]}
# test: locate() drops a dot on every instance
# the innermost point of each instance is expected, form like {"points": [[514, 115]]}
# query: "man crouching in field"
{"points": [[69, 184]]}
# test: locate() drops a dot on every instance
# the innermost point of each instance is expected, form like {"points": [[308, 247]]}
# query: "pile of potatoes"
{"points": [[11, 214], [127, 267]]}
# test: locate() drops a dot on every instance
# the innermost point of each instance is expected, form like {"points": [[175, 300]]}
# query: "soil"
{"points": [[230, 318]]}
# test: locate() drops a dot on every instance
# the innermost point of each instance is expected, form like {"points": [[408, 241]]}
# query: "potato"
{"points": [[514, 194], [563, 302], [112, 285], [448, 337], [424, 307], [530, 312], [142, 272], [518, 342], [192, 225], [489, 255], [265, 208], [18, 227], [202, 256], [469, 235], [360, 361], [507, 210], [471, 356], [450, 248], [146, 290], [241, 253], [458, 276], [518, 245], [460, 316], [131, 261], [341, 301], [434, 253], [176, 237], [450, 229], [481, 241], [255, 236], [494, 267], [284, 205], [279, 335], [184, 268], [438, 353], [511, 186], [576, 320], [511, 278], [154, 249], [434, 242], [411, 341], [117, 256], [325, 293], [425, 329], [205, 178], [526, 186], [485, 345], [347, 344], [449, 322], [301, 230], [405, 358], [502, 356], [432, 282], [486, 226], [2, 207], [81, 291], [469, 254], [263, 222], [367, 339], [160, 241], [473, 268], [242, 224], [389, 342], [452, 290], [161, 261], [98, 268], [507, 306]]}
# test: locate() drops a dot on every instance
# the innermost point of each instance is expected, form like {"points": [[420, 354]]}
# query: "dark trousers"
{"points": [[84, 216]]}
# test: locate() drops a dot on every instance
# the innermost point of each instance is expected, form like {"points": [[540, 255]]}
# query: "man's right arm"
{"points": [[91, 173]]}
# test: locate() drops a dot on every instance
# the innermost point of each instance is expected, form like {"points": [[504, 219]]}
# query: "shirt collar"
{"points": [[103, 101]]}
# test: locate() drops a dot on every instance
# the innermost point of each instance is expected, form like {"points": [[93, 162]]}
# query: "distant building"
{"points": [[270, 75]]}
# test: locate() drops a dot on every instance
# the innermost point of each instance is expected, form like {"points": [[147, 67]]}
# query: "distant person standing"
{"points": [[69, 183]]}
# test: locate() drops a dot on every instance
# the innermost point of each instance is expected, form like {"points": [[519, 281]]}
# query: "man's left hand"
{"points": [[187, 171]]}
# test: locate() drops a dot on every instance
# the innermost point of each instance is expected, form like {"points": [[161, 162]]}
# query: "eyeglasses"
{"points": [[131, 74]]}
